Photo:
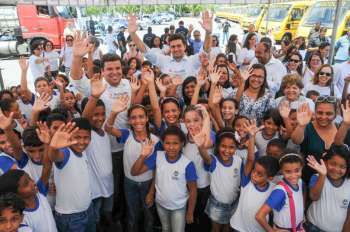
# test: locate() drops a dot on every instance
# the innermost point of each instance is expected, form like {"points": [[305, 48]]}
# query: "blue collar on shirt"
{"points": [[172, 161], [262, 189], [290, 185], [226, 165], [333, 184], [36, 205], [78, 154], [99, 131]]}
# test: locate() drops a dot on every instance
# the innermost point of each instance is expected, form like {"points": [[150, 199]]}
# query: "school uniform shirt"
{"points": [[132, 151], [164, 126], [99, 155], [244, 217], [108, 97], [243, 153], [6, 163], [24, 228], [37, 70], [261, 142], [225, 179], [40, 219], [330, 211], [278, 201], [32, 168], [26, 108], [171, 179], [73, 191]]}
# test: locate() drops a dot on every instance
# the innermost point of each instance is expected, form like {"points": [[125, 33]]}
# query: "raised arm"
{"points": [[139, 166], [201, 79], [41, 103], [132, 28], [252, 129], [284, 110], [199, 140], [62, 138], [344, 127], [118, 106], [304, 115], [43, 133], [149, 76], [80, 48], [135, 86], [345, 88], [207, 25], [23, 64], [321, 169], [97, 89]]}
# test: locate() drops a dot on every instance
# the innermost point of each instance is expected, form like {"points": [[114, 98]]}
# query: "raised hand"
{"points": [[41, 103], [190, 28], [6, 122], [320, 168], [80, 44], [251, 127], [177, 80], [162, 88], [199, 138], [23, 63], [214, 77], [97, 85], [63, 137], [304, 114], [207, 22], [120, 104], [201, 77], [135, 84], [346, 113], [149, 76], [217, 96], [147, 148], [284, 109], [132, 23], [43, 132]]}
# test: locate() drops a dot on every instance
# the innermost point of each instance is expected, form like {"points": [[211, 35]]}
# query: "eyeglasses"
{"points": [[294, 61], [69, 40], [325, 74], [328, 99], [316, 60]]}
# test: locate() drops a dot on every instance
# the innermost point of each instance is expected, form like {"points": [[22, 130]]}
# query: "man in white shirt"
{"points": [[111, 42], [275, 70], [178, 64], [341, 71]]}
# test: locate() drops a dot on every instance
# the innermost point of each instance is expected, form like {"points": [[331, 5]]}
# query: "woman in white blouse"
{"points": [[247, 53]]}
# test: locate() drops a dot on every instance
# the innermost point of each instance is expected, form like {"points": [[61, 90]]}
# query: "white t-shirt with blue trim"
{"points": [[99, 155], [225, 180], [24, 228], [73, 191], [171, 179], [6, 163], [132, 151], [330, 211], [279, 202], [40, 219], [250, 201]]}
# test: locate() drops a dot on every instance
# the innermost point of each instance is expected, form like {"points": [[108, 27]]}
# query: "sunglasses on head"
{"points": [[325, 74], [328, 99]]}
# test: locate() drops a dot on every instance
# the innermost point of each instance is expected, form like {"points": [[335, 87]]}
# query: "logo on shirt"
{"points": [[235, 172], [345, 204], [175, 175]]}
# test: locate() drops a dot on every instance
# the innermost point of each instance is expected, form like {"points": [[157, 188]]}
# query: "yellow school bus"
{"points": [[253, 15], [324, 13], [284, 18], [233, 13]]}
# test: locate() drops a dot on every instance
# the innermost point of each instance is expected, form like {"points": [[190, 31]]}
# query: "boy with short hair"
{"points": [[275, 148], [11, 213], [73, 210]]}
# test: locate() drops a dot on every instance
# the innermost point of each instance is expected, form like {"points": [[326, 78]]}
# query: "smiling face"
{"points": [[112, 72], [171, 113], [240, 129], [83, 138], [172, 146], [35, 153], [315, 62], [324, 114], [189, 89], [256, 79], [5, 145], [10, 220], [292, 92], [193, 122], [292, 172], [227, 148], [138, 120], [325, 76], [294, 62], [228, 110], [69, 100], [177, 48], [98, 117], [270, 128], [259, 175], [223, 75], [336, 167]]}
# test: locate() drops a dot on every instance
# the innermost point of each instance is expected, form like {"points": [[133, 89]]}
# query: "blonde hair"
{"points": [[292, 79]]}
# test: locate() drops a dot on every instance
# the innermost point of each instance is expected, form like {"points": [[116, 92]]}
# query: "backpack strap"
{"points": [[291, 205]]}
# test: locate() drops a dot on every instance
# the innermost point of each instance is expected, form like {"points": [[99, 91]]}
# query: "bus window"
{"points": [[43, 10], [278, 13], [297, 14]]}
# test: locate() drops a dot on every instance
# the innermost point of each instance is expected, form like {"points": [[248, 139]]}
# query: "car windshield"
{"points": [[324, 12], [253, 12], [278, 12], [66, 12]]}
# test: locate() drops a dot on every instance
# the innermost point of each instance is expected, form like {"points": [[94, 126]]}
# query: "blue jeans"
{"points": [[135, 194], [77, 222], [172, 220], [224, 37], [102, 203], [309, 227]]}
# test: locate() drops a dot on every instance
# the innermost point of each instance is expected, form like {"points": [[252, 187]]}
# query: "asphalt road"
{"points": [[11, 72]]}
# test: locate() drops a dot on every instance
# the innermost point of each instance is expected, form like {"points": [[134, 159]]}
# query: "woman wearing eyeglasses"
{"points": [[66, 55], [295, 63], [313, 63], [322, 82], [133, 52], [315, 136], [53, 58], [37, 62]]}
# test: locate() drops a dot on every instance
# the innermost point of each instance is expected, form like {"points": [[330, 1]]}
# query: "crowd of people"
{"points": [[176, 135]]}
